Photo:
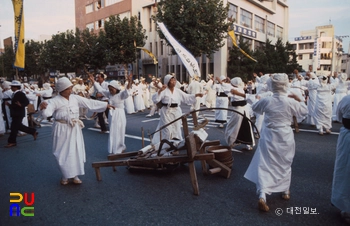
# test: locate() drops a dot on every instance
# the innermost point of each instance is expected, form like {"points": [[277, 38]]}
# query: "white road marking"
{"points": [[150, 120]]}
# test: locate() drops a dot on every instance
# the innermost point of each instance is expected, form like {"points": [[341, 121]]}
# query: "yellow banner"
{"points": [[234, 41], [150, 54], [19, 34]]}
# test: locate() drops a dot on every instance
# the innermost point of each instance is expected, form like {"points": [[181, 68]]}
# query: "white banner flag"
{"points": [[186, 57]]}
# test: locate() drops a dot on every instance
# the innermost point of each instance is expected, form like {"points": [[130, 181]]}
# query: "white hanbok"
{"points": [[2, 123], [341, 180], [270, 168], [129, 103], [323, 107], [340, 93], [67, 137], [138, 99], [7, 96], [145, 94], [237, 129], [222, 101], [116, 119], [211, 96], [168, 113], [312, 86]]}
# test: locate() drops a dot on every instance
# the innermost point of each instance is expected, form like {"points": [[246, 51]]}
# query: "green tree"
{"points": [[33, 51], [199, 25], [292, 63], [238, 64], [121, 36], [7, 61]]}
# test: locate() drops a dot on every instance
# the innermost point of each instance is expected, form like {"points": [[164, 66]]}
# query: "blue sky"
{"points": [[47, 17]]}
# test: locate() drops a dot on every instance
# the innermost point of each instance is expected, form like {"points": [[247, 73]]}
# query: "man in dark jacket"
{"points": [[17, 110]]}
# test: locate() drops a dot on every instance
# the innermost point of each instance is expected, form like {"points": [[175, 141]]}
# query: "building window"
{"points": [[156, 48], [232, 12], [279, 32], [311, 45], [300, 56], [90, 26], [124, 15], [100, 24], [310, 56], [111, 2], [150, 47], [270, 29], [161, 48], [89, 8], [246, 18], [326, 45], [301, 46], [259, 24], [99, 5], [247, 41], [150, 24], [258, 45]]}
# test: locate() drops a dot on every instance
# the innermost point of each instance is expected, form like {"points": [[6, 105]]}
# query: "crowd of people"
{"points": [[271, 99]]}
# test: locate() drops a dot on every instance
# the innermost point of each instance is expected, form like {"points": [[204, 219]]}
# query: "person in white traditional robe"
{"points": [[45, 94], [171, 98], [270, 168], [7, 94], [239, 129], [340, 92], [129, 103], [116, 119], [80, 89], [298, 86], [193, 88], [67, 137], [323, 106], [211, 95], [154, 86], [312, 86], [138, 99], [341, 180], [262, 91], [145, 92], [2, 123], [221, 87]]}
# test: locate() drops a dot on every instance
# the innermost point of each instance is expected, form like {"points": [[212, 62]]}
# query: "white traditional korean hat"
{"points": [[167, 79], [278, 83], [46, 85], [62, 84], [6, 84], [237, 82], [136, 81], [196, 77], [115, 84], [222, 77], [16, 83], [343, 77]]}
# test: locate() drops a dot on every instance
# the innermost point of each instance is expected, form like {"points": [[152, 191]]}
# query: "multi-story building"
{"points": [[255, 21], [345, 64], [319, 50]]}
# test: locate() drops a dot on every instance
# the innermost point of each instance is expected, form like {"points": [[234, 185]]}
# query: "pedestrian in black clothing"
{"points": [[17, 111]]}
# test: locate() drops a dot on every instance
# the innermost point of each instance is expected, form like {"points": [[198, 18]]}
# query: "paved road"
{"points": [[159, 198]]}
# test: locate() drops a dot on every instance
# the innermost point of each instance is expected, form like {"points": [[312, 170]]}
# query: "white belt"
{"points": [[72, 122]]}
